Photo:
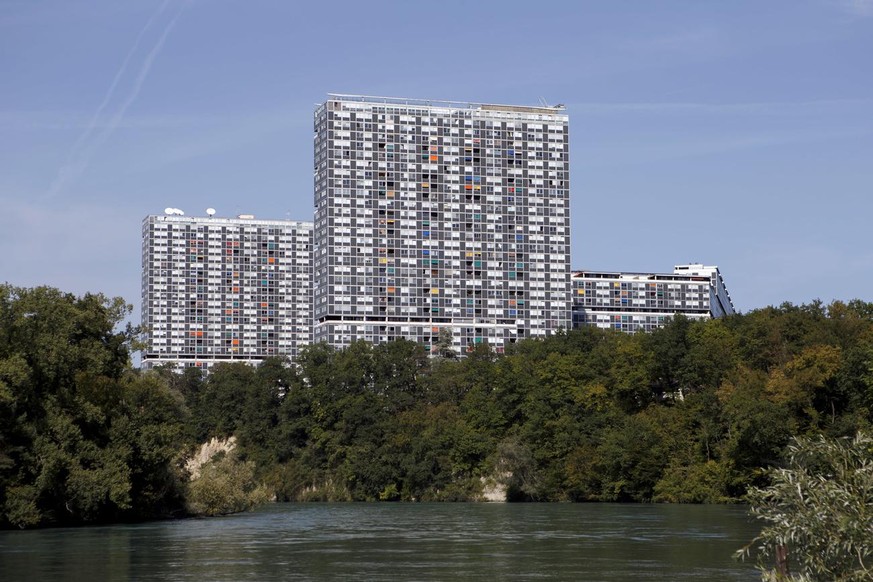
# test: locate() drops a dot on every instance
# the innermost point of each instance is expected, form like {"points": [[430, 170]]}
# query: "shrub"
{"points": [[819, 511], [225, 485]]}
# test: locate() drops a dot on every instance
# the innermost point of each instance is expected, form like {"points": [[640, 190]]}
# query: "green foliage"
{"points": [[756, 428], [83, 438], [688, 413], [700, 482], [390, 493], [21, 506], [443, 344], [820, 507], [516, 470], [219, 407], [225, 485], [632, 458]]}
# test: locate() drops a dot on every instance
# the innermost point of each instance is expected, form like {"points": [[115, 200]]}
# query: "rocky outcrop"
{"points": [[494, 488]]}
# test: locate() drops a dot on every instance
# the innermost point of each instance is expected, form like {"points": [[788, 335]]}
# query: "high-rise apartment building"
{"points": [[224, 289], [645, 301], [434, 216]]}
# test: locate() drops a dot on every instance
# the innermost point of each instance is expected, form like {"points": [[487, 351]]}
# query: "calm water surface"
{"points": [[399, 542]]}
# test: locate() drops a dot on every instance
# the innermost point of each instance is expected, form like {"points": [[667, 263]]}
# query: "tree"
{"points": [[443, 345], [630, 362], [632, 458], [83, 438], [397, 369], [219, 407], [818, 511], [756, 429], [805, 379]]}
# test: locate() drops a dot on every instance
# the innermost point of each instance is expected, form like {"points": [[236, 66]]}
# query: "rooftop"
{"points": [[448, 104]]}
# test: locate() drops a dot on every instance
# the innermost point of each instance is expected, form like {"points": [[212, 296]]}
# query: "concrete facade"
{"points": [[634, 302], [224, 289], [433, 216]]}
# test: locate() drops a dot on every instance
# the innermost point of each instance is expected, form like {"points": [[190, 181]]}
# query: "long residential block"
{"points": [[634, 302]]}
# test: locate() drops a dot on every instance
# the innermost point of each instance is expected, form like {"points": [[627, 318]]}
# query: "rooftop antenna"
{"points": [[543, 102]]}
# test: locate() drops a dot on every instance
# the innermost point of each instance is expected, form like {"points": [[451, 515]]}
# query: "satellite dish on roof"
{"points": [[169, 211], [210, 212]]}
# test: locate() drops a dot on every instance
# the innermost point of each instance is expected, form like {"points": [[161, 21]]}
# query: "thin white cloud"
{"points": [[85, 148]]}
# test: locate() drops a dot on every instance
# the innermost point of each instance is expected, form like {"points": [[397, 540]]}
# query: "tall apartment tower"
{"points": [[435, 216], [634, 302], [224, 289]]}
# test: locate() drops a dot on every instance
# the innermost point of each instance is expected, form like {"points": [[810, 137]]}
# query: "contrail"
{"points": [[81, 152], [93, 123]]}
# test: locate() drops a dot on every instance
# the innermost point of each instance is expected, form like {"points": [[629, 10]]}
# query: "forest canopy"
{"points": [[689, 413]]}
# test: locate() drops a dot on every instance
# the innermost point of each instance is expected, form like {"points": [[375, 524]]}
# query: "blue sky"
{"points": [[736, 133]]}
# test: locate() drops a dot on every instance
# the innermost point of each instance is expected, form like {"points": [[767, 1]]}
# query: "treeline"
{"points": [[688, 413]]}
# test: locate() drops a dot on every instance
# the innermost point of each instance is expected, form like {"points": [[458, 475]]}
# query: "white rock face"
{"points": [[493, 489]]}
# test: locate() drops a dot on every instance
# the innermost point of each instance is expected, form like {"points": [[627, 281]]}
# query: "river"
{"points": [[403, 541]]}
